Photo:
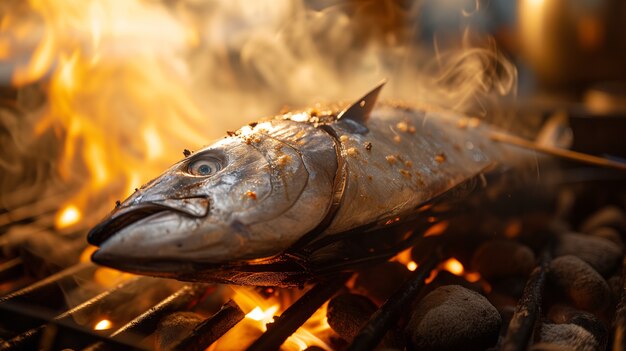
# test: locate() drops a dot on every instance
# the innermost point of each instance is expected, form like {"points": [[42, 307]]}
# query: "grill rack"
{"points": [[50, 331]]}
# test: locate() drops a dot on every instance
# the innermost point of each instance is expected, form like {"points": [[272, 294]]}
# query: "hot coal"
{"points": [[503, 258], [562, 314], [453, 318], [601, 254], [609, 216], [577, 280], [174, 328], [445, 278], [347, 313], [566, 336]]}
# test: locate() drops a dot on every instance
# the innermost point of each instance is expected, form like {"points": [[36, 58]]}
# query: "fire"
{"points": [[103, 325], [261, 310], [436, 229], [453, 266], [67, 216], [118, 103]]}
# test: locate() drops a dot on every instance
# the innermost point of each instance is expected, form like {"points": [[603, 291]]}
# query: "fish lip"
{"points": [[120, 220], [126, 216]]}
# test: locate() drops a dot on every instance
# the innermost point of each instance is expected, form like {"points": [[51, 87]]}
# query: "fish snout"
{"points": [[125, 216]]}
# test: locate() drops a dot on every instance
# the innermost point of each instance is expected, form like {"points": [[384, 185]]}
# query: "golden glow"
{"points": [[103, 325], [265, 316], [472, 277], [453, 266], [261, 310], [436, 229], [68, 216], [411, 266]]}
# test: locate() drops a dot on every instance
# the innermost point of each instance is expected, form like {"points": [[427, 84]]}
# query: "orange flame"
{"points": [[67, 216], [103, 325], [260, 311]]}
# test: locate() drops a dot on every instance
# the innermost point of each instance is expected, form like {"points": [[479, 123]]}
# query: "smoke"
{"points": [[109, 93]]}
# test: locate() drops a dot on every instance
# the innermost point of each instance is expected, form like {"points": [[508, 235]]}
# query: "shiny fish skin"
{"points": [[288, 182]]}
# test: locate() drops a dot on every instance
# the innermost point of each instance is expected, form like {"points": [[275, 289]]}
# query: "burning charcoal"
{"points": [[562, 314], [601, 254], [609, 216], [580, 282], [453, 318], [174, 328], [565, 337], [348, 312], [608, 233], [446, 278], [503, 258], [382, 280]]}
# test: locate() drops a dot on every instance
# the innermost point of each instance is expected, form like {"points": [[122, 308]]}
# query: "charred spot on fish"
{"points": [[368, 146], [186, 152], [253, 124], [251, 194], [118, 204], [440, 157], [230, 133]]}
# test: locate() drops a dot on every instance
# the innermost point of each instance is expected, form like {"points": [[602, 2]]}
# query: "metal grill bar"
{"points": [[384, 318], [210, 330], [297, 314], [134, 331], [46, 295], [528, 308]]}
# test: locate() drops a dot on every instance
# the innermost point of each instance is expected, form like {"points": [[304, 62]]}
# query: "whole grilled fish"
{"points": [[280, 201]]}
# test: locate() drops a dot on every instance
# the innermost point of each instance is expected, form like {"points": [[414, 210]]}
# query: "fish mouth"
{"points": [[125, 216]]}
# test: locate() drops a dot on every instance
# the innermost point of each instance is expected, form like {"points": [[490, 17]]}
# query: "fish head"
{"points": [[245, 198]]}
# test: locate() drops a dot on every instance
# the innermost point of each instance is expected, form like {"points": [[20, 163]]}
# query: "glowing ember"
{"points": [[67, 216], [436, 229], [265, 316], [453, 266], [262, 310], [472, 277], [103, 325], [411, 266]]}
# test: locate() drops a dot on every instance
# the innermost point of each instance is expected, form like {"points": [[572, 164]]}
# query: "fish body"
{"points": [[274, 202]]}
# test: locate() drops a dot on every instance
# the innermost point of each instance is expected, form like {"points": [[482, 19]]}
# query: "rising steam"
{"points": [[107, 93]]}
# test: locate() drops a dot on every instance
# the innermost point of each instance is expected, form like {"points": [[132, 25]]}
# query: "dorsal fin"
{"points": [[361, 109]]}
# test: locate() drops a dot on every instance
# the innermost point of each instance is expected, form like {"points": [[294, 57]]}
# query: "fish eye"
{"points": [[204, 167]]}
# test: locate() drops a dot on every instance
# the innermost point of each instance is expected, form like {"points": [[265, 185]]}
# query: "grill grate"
{"points": [[41, 319]]}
